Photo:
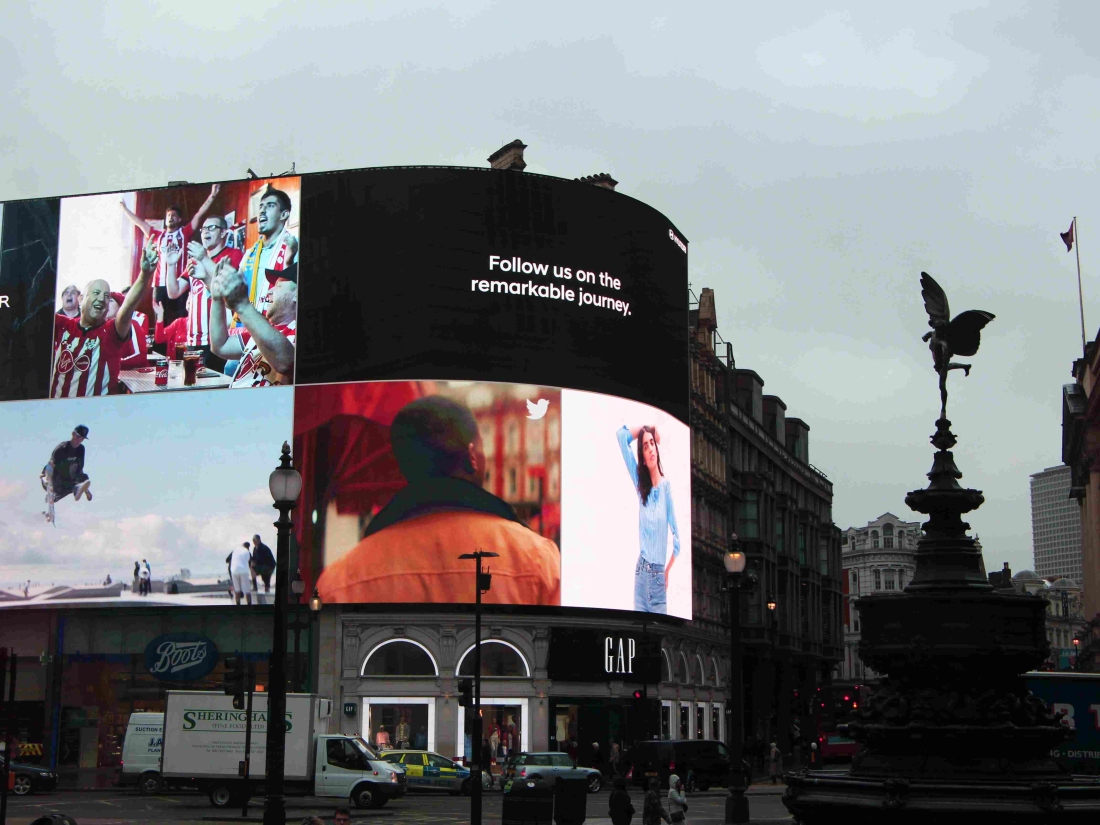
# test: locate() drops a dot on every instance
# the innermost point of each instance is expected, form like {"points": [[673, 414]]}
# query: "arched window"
{"points": [[874, 538], [498, 658], [682, 669], [888, 536], [399, 657], [715, 672], [666, 668], [699, 675]]}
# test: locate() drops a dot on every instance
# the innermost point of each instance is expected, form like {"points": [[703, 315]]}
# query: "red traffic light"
{"points": [[637, 694]]}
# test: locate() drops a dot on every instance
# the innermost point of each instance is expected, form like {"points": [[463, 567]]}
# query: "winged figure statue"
{"points": [[949, 337]]}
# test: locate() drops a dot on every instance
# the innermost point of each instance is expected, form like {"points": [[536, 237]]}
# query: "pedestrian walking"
{"points": [[619, 807], [653, 812], [677, 800], [775, 763]]}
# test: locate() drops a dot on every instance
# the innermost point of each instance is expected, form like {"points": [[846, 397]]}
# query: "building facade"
{"points": [[1081, 453], [1055, 525], [752, 479], [1065, 623], [878, 558]]}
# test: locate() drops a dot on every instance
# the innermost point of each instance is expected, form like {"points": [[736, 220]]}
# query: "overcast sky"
{"points": [[816, 159]]}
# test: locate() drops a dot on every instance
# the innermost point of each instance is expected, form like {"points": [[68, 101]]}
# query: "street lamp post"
{"points": [[481, 585], [774, 635], [285, 484], [298, 587], [737, 804]]}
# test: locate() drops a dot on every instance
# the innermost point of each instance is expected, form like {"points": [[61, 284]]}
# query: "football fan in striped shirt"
{"points": [[194, 279], [89, 349], [171, 243]]}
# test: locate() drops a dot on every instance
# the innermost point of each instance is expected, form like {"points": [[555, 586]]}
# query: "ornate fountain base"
{"points": [[951, 735]]}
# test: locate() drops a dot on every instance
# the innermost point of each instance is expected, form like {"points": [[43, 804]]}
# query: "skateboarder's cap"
{"points": [[81, 430]]}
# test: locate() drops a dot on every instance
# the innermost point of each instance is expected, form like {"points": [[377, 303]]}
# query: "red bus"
{"points": [[833, 706]]}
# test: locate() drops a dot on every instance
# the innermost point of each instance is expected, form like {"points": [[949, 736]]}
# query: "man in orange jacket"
{"points": [[410, 550]]}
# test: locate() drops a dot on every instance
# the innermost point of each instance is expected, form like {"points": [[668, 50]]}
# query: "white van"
{"points": [[141, 751]]}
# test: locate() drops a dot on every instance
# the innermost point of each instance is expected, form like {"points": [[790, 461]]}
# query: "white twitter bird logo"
{"points": [[537, 410]]}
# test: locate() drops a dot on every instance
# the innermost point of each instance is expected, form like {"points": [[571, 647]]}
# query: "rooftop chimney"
{"points": [[603, 180], [509, 156]]}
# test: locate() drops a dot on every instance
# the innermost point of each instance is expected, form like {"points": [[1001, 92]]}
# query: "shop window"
{"points": [[700, 721], [399, 657], [398, 724], [716, 722], [685, 722], [497, 659], [666, 720]]}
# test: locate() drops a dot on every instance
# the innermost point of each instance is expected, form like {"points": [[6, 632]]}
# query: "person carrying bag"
{"points": [[677, 800], [619, 807]]}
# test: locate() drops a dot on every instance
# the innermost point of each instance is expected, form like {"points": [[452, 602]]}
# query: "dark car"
{"points": [[707, 760], [31, 778]]}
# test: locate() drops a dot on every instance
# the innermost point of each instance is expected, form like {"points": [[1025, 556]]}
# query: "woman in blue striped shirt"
{"points": [[656, 517]]}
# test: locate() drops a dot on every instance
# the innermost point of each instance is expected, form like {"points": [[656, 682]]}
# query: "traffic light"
{"points": [[637, 694], [234, 680], [466, 693]]}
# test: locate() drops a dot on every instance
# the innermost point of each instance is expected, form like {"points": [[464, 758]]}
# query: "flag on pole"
{"points": [[1067, 236]]}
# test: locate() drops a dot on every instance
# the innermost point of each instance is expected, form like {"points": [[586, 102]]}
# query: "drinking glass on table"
{"points": [[192, 363]]}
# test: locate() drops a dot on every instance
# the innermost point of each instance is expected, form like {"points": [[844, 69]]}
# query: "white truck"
{"points": [[204, 741]]}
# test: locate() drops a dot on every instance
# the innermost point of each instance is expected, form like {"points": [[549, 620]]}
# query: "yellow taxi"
{"points": [[430, 771]]}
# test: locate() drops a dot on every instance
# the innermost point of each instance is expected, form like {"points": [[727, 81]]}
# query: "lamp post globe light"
{"points": [[737, 804], [285, 484]]}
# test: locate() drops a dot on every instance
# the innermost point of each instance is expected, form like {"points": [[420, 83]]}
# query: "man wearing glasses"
{"points": [[195, 281], [88, 350]]}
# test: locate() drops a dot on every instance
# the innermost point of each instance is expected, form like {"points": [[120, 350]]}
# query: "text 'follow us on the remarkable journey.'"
{"points": [[562, 283]]}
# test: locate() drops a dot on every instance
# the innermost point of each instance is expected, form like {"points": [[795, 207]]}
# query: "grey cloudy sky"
{"points": [[818, 159]]}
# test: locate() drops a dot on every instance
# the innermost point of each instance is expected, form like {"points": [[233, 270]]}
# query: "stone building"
{"points": [[752, 477], [878, 558]]}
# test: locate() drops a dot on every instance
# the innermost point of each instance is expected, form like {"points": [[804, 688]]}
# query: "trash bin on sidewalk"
{"points": [[570, 800], [528, 802]]}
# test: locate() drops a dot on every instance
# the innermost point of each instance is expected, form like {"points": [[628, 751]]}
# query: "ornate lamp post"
{"points": [[737, 805], [285, 484]]}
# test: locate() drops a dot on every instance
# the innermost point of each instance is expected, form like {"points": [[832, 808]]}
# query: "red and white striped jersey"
{"points": [[199, 302], [168, 242], [253, 369], [134, 352], [85, 361]]}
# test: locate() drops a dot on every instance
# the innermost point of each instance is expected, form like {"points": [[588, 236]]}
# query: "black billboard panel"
{"points": [[28, 271], [490, 275]]}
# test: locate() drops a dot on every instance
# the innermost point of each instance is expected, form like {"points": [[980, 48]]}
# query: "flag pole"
{"points": [[1080, 294]]}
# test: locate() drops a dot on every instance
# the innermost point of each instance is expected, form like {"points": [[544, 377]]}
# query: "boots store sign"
{"points": [[180, 657], [593, 656]]}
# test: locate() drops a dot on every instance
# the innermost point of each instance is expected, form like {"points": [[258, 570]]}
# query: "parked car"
{"points": [[707, 760], [547, 766], [430, 771], [31, 778]]}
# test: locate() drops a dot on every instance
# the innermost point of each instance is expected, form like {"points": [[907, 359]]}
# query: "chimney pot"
{"points": [[603, 180], [509, 156]]}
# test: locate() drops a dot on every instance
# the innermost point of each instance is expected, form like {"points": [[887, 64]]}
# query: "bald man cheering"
{"points": [[87, 350]]}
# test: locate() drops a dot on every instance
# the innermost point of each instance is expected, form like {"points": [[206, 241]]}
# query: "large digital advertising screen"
{"points": [[470, 360]]}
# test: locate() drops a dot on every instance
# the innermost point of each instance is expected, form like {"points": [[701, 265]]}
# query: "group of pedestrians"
{"points": [[341, 816], [621, 810]]}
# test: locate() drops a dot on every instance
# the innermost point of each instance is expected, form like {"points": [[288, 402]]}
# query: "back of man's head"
{"points": [[431, 437]]}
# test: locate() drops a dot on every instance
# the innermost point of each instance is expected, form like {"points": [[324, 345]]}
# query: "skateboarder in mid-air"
{"points": [[64, 473]]}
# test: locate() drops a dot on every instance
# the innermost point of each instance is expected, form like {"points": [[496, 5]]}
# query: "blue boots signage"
{"points": [[180, 657]]}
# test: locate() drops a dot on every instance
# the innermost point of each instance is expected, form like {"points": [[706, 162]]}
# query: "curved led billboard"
{"points": [[463, 360]]}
